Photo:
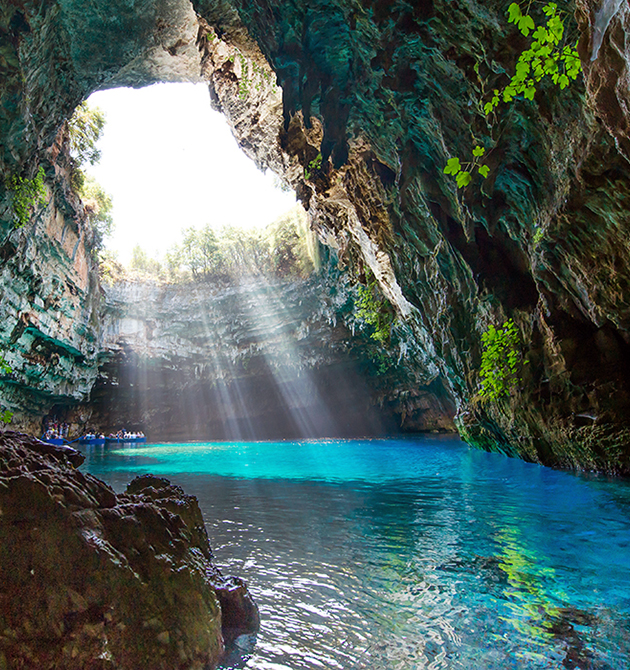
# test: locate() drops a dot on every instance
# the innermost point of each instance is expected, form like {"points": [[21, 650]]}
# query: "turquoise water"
{"points": [[408, 554]]}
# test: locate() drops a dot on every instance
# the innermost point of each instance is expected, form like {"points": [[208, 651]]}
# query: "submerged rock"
{"points": [[94, 579]]}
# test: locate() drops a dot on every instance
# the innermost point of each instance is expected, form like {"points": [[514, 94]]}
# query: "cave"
{"points": [[365, 109]]}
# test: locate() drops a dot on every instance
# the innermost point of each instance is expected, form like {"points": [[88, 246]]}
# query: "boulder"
{"points": [[94, 579]]}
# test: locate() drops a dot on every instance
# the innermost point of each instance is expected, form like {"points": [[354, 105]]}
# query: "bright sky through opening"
{"points": [[170, 162]]}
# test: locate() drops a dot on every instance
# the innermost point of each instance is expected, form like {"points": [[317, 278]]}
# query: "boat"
{"points": [[57, 441], [125, 440], [91, 441]]}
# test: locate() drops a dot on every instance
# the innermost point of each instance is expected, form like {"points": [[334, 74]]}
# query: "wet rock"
{"points": [[92, 579]]}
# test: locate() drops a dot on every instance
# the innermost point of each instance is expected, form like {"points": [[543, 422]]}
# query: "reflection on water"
{"points": [[409, 554]]}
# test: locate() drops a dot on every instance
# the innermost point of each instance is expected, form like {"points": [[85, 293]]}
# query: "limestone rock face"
{"points": [[255, 358], [49, 301], [375, 97], [92, 579], [386, 93]]}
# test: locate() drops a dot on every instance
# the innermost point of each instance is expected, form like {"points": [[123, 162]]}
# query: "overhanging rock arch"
{"points": [[382, 91]]}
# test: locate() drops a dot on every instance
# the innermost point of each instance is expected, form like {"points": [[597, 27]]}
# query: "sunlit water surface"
{"points": [[408, 553]]}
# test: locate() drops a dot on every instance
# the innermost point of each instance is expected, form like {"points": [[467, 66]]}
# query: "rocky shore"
{"points": [[94, 579]]}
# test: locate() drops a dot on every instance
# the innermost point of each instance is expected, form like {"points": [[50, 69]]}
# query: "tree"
{"points": [[143, 264], [98, 207], [190, 253], [85, 128], [209, 251]]}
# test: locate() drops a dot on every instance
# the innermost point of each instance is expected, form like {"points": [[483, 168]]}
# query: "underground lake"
{"points": [[354, 278], [406, 553]]}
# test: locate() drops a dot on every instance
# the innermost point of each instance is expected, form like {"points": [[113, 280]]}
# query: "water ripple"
{"points": [[410, 555]]}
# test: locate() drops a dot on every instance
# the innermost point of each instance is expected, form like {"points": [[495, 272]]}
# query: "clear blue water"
{"points": [[408, 554]]}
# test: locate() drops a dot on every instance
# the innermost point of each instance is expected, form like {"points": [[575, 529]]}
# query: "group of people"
{"points": [[93, 436], [124, 435], [56, 431]]}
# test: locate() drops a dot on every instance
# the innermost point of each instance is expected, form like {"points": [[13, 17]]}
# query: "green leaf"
{"points": [[488, 107], [522, 69], [514, 13], [550, 9], [452, 166], [541, 35], [463, 179], [556, 28], [564, 81], [484, 171], [525, 24], [551, 66], [478, 151], [529, 92]]}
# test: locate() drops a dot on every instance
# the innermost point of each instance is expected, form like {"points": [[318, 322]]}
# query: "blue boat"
{"points": [[58, 441], [90, 441], [125, 440]]}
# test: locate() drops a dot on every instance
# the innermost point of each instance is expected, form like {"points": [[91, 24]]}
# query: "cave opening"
{"points": [[170, 163], [216, 321], [407, 551]]}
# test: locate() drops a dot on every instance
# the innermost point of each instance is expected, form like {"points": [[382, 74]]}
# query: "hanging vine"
{"points": [[548, 57]]}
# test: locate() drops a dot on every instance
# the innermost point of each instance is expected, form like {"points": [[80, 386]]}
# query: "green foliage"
{"points": [[500, 359], [315, 164], [539, 236], [199, 252], [293, 247], [143, 264], [463, 177], [256, 78], [243, 84], [374, 311], [548, 57], [110, 269], [5, 369], [26, 195], [98, 207], [85, 128], [285, 248]]}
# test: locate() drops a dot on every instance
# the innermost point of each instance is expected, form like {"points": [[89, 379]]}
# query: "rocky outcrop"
{"points": [[92, 579], [386, 92]]}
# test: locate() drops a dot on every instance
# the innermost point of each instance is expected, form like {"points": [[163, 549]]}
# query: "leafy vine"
{"points": [[26, 195], [315, 164], [373, 311], [5, 369], [499, 361], [548, 57]]}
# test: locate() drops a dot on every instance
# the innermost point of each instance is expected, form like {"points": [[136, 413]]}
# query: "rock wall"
{"points": [[254, 358], [386, 92], [49, 301]]}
